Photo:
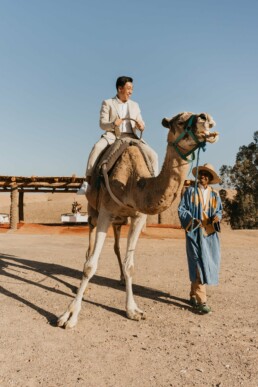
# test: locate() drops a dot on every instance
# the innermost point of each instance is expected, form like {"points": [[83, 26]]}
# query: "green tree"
{"points": [[241, 211]]}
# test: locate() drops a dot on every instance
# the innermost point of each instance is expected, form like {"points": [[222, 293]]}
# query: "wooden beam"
{"points": [[36, 182], [44, 179], [42, 190]]}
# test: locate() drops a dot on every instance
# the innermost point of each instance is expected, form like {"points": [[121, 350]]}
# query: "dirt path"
{"points": [[173, 347]]}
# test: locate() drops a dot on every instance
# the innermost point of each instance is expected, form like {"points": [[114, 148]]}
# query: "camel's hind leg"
{"points": [[132, 310], [70, 317], [117, 232]]}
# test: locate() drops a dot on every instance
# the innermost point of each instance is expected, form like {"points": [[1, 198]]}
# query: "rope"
{"points": [[203, 147], [104, 171]]}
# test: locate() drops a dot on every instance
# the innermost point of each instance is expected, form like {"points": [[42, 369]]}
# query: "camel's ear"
{"points": [[169, 122], [165, 122]]}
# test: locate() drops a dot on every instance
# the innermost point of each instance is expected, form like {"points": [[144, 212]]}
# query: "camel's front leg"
{"points": [[132, 310], [92, 221], [92, 237], [70, 317]]}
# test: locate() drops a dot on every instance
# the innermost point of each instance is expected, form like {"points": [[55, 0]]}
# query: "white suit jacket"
{"points": [[109, 112]]}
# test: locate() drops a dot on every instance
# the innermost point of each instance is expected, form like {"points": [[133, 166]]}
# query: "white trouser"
{"points": [[94, 154], [152, 156]]}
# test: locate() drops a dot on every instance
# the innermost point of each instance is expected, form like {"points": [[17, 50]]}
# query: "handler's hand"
{"points": [[215, 219], [139, 125], [197, 222]]}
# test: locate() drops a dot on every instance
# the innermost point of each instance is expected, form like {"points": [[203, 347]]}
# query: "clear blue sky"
{"points": [[60, 58]]}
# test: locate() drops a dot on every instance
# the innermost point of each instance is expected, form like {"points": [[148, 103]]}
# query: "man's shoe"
{"points": [[88, 180], [83, 189], [202, 308]]}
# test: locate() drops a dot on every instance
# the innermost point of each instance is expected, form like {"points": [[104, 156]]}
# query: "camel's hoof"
{"points": [[66, 320], [70, 323], [63, 319], [135, 315]]}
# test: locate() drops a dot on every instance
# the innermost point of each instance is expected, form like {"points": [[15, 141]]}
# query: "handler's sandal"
{"points": [[193, 301], [202, 308]]}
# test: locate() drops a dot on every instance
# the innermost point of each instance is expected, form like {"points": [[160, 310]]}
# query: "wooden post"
{"points": [[14, 208], [21, 206]]}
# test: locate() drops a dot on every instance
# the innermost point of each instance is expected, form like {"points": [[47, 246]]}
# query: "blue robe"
{"points": [[203, 251]]}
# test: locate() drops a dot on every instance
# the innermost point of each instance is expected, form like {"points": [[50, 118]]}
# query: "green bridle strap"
{"points": [[187, 130]]}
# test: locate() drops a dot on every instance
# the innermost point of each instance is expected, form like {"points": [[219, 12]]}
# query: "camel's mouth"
{"points": [[209, 136]]}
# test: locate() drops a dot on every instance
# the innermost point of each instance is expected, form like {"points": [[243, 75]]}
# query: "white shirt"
{"points": [[126, 126], [204, 194]]}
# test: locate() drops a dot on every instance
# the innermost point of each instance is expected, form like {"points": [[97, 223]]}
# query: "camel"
{"points": [[139, 194]]}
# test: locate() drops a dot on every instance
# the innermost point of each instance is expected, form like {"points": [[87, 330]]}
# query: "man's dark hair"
{"points": [[121, 81]]}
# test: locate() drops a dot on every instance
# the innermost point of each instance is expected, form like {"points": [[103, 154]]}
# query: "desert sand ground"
{"points": [[40, 271]]}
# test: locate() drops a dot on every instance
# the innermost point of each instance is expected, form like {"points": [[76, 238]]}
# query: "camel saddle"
{"points": [[109, 157], [114, 151]]}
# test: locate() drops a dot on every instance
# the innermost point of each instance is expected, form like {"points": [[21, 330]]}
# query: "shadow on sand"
{"points": [[16, 268]]}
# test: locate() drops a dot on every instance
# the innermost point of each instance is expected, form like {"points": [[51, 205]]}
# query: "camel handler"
{"points": [[112, 113], [200, 212]]}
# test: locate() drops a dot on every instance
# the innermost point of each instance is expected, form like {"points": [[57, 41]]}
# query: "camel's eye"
{"points": [[203, 116]]}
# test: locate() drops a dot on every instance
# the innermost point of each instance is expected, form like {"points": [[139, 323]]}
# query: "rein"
{"points": [[195, 192]]}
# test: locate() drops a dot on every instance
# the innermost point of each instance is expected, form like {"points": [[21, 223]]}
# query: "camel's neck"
{"points": [[163, 189], [174, 168]]}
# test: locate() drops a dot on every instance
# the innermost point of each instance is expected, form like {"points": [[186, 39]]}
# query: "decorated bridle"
{"points": [[188, 130]]}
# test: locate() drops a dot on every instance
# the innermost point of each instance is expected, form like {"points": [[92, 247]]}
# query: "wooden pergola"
{"points": [[18, 185]]}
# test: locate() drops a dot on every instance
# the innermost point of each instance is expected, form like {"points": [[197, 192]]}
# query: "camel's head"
{"points": [[187, 129]]}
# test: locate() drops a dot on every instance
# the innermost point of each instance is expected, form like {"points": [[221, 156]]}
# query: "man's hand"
{"points": [[118, 122], [139, 125]]}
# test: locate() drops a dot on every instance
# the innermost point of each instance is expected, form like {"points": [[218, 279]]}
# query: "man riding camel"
{"points": [[113, 114]]}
